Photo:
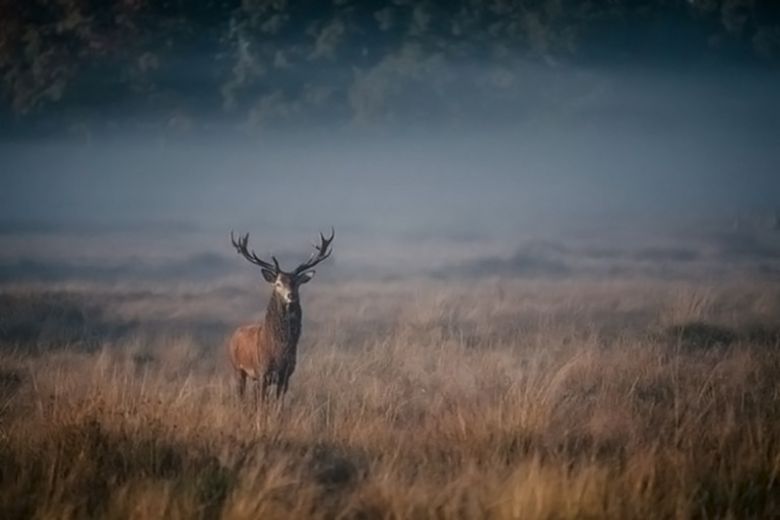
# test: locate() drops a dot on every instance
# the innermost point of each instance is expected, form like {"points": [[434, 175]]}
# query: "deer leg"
{"points": [[265, 384], [280, 386], [241, 383], [284, 382]]}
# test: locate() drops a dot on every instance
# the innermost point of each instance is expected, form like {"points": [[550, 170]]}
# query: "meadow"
{"points": [[490, 396]]}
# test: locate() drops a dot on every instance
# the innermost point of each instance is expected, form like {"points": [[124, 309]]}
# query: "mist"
{"points": [[685, 147], [424, 144]]}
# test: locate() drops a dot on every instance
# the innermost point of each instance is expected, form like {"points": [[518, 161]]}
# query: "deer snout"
{"points": [[288, 296]]}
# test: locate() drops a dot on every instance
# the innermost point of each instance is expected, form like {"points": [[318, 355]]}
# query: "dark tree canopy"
{"points": [[68, 63]]}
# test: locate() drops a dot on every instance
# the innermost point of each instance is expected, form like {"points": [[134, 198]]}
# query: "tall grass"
{"points": [[411, 400]]}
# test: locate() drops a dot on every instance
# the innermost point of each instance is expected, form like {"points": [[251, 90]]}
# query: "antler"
{"points": [[323, 252], [242, 247]]}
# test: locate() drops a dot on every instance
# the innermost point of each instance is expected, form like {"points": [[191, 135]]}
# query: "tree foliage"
{"points": [[276, 59]]}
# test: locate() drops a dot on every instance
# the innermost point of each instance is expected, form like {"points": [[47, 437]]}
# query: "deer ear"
{"points": [[269, 276], [305, 277]]}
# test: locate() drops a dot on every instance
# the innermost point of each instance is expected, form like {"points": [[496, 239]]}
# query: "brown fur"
{"points": [[267, 352]]}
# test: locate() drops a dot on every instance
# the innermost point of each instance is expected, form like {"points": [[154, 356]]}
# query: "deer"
{"points": [[266, 352]]}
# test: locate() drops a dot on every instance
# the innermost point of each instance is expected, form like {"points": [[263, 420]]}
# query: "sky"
{"points": [[455, 119]]}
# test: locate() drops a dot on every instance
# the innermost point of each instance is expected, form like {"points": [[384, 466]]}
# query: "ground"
{"points": [[417, 398]]}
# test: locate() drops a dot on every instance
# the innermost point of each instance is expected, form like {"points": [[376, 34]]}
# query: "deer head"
{"points": [[285, 283]]}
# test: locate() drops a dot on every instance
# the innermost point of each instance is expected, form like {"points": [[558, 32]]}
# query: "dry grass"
{"points": [[568, 399]]}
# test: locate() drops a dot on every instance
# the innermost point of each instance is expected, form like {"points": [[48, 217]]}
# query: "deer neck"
{"points": [[283, 321]]}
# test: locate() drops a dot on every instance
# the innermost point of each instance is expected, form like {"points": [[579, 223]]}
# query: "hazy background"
{"points": [[437, 137]]}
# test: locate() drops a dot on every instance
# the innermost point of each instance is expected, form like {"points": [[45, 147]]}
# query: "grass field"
{"points": [[487, 397]]}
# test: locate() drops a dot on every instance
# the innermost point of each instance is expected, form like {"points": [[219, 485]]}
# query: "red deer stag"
{"points": [[266, 352]]}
